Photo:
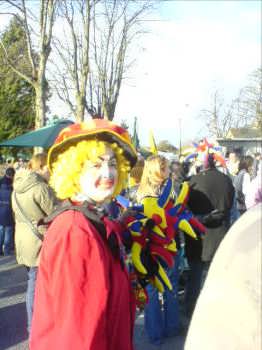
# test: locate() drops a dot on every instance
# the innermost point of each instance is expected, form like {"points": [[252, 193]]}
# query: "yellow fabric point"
{"points": [[135, 253], [183, 193], [151, 208], [158, 231], [158, 285], [164, 277], [143, 221], [171, 247], [186, 227], [152, 142], [135, 233]]}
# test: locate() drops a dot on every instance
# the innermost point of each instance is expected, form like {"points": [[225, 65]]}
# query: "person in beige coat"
{"points": [[228, 314], [32, 200]]}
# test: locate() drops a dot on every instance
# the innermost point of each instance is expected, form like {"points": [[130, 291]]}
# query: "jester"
{"points": [[153, 226], [200, 151], [155, 223]]}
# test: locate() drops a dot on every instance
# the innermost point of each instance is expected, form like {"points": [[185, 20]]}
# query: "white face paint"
{"points": [[99, 179]]}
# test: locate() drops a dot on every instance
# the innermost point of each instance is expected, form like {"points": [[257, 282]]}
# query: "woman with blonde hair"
{"points": [[157, 324], [38, 163], [156, 171]]}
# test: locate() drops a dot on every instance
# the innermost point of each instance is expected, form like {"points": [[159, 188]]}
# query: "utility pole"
{"points": [[180, 129], [180, 136]]}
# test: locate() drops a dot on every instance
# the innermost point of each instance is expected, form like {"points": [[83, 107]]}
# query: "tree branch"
{"points": [[28, 41], [10, 64]]}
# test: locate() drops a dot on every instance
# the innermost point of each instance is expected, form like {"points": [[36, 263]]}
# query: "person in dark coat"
{"points": [[210, 190], [6, 215]]}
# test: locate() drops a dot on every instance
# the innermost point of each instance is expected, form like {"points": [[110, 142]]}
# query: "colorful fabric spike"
{"points": [[153, 227]]}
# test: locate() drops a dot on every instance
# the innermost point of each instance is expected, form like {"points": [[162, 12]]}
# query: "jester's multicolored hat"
{"points": [[204, 148], [101, 129]]}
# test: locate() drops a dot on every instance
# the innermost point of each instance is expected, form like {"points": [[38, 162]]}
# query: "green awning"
{"points": [[43, 137]]}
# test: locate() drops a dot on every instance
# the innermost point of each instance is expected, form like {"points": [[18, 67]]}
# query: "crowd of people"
{"points": [[61, 215]]}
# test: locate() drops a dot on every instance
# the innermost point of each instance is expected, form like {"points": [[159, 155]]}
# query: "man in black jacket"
{"points": [[209, 190]]}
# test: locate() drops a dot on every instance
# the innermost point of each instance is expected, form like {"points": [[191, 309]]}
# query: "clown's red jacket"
{"points": [[82, 299]]}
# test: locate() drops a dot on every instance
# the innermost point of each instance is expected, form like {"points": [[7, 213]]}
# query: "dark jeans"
{"points": [[234, 213], [158, 323], [193, 285], [30, 294], [6, 239]]}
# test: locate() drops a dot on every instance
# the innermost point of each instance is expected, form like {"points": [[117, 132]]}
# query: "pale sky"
{"points": [[192, 48], [196, 46]]}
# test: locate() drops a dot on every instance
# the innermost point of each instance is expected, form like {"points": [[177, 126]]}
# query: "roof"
{"points": [[244, 139], [244, 133]]}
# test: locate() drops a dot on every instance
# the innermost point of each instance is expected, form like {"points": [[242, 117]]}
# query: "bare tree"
{"points": [[212, 116], [116, 25], [249, 101], [72, 48], [244, 111], [94, 102], [221, 117], [38, 29], [92, 53]]}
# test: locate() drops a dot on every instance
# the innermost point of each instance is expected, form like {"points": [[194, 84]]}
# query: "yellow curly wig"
{"points": [[69, 164]]}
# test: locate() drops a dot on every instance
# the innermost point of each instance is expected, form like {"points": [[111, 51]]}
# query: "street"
{"points": [[13, 334]]}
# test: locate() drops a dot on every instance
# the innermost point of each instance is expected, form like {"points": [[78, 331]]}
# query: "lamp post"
{"points": [[180, 129], [180, 136]]}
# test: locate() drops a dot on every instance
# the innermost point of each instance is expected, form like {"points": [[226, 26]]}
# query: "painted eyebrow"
{"points": [[111, 158]]}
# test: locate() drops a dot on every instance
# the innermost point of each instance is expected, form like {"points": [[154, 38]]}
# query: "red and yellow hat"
{"points": [[101, 129]]}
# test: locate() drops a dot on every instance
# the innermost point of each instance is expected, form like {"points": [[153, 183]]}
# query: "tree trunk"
{"points": [[80, 108], [112, 108], [40, 107], [104, 109], [41, 91]]}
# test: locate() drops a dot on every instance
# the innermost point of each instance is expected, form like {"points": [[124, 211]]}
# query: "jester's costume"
{"points": [[155, 257]]}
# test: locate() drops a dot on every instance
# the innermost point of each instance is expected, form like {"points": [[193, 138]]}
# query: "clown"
{"points": [[83, 298]]}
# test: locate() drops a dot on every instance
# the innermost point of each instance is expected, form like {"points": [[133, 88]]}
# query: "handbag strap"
{"points": [[26, 219]]}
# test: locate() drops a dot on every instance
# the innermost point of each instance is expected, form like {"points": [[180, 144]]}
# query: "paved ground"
{"points": [[12, 305], [13, 334]]}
